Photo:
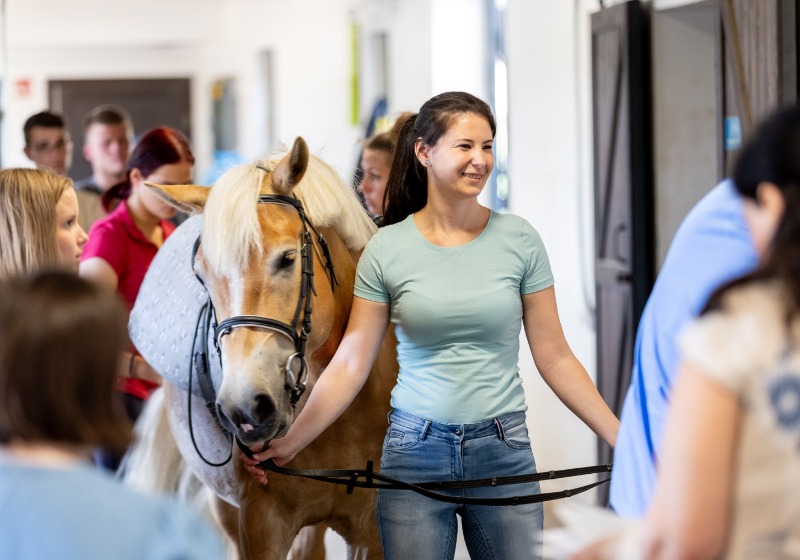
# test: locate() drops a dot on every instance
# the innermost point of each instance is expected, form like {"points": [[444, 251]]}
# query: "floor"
{"points": [[336, 549]]}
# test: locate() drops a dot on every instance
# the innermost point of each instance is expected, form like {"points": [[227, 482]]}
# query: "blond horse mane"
{"points": [[230, 220]]}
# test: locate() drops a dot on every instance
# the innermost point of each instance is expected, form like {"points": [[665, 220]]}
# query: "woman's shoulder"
{"points": [[74, 502], [394, 231], [161, 521], [512, 221], [744, 334], [766, 299], [514, 225]]}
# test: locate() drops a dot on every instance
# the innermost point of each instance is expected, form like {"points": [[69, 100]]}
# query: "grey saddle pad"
{"points": [[165, 316]]}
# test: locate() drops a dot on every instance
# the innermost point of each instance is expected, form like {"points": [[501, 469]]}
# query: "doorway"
{"points": [[150, 103]]}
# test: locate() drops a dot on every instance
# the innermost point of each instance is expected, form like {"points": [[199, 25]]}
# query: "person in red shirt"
{"points": [[122, 245]]}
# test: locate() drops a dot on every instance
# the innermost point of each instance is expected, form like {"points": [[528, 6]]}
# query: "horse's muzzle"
{"points": [[261, 421]]}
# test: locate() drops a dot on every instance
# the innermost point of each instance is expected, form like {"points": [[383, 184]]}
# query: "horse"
{"points": [[280, 240]]}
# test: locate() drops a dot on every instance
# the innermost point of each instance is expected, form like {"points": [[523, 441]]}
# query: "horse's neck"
{"points": [[384, 371], [345, 269], [355, 254]]}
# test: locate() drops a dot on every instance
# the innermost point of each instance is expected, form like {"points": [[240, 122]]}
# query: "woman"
{"points": [[123, 244], [729, 477], [457, 280], [38, 222], [376, 162], [60, 342]]}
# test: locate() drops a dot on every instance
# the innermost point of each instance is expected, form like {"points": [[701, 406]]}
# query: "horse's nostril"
{"points": [[264, 408]]}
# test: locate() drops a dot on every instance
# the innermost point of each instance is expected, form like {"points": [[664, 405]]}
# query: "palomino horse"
{"points": [[250, 258]]}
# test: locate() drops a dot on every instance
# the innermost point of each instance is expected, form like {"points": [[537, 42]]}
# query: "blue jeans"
{"points": [[418, 450]]}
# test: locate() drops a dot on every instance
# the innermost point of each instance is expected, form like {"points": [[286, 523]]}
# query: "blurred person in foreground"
{"points": [[60, 342]]}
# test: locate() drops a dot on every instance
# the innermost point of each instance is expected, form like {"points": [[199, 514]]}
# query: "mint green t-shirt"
{"points": [[457, 313]]}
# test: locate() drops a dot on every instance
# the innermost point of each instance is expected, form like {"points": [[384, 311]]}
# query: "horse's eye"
{"points": [[287, 260]]}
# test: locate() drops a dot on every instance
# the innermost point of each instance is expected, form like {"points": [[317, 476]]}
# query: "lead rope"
{"points": [[352, 479]]}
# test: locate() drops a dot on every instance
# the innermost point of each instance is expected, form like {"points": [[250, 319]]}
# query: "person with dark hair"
{"points": [[458, 281], [123, 244], [47, 142], [60, 342], [711, 247], [729, 471], [107, 134]]}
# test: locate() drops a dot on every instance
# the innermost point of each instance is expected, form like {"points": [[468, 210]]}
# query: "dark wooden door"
{"points": [[758, 67], [623, 192], [151, 103]]}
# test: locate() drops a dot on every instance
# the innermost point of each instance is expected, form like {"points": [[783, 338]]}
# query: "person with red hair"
{"points": [[123, 244]]}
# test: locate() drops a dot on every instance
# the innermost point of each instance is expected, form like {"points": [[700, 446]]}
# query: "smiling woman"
{"points": [[38, 222], [458, 281]]}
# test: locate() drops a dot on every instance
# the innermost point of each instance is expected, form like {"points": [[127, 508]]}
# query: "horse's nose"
{"points": [[261, 412], [263, 408]]}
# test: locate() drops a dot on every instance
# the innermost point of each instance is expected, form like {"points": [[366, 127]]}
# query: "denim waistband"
{"points": [[495, 426]]}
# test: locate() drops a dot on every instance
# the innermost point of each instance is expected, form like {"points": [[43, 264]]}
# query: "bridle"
{"points": [[298, 331]]}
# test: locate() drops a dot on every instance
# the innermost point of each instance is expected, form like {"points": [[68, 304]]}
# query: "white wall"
{"points": [[204, 40], [550, 175], [430, 50]]}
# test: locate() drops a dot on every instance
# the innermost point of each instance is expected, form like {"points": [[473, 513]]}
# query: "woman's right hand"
{"points": [[281, 451], [336, 387]]}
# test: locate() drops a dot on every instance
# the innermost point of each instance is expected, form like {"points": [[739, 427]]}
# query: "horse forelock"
{"points": [[230, 220]]}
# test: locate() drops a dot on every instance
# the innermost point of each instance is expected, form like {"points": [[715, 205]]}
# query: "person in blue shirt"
{"points": [[61, 339], [711, 247], [458, 281]]}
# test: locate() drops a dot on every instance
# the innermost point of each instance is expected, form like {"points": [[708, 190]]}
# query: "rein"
{"points": [[352, 479]]}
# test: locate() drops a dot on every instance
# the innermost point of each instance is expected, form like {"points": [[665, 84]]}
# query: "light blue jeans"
{"points": [[413, 527]]}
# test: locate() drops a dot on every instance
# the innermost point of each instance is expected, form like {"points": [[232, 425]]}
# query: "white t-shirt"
{"points": [[747, 347]]}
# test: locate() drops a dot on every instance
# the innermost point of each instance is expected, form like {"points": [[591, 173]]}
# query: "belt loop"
{"points": [[500, 431], [425, 429]]}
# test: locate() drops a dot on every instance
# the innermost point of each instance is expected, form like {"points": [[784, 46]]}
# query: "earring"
{"points": [[427, 162]]}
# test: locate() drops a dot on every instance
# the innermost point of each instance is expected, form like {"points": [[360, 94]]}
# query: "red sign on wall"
{"points": [[23, 87]]}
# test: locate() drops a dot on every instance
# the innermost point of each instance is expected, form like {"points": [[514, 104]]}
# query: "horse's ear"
{"points": [[187, 198], [290, 169]]}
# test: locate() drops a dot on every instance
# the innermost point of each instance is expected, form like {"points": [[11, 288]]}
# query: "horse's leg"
{"points": [[227, 517], [309, 544], [266, 531], [369, 550]]}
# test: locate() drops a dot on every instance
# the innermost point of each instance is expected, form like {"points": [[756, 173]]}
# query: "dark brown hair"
{"points": [[157, 147], [61, 339], [407, 187], [772, 155], [45, 119]]}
